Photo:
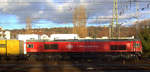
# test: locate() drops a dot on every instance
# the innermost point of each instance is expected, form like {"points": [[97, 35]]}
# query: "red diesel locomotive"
{"points": [[85, 47]]}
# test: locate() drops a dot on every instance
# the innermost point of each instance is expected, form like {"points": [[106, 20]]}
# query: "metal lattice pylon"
{"points": [[114, 19]]}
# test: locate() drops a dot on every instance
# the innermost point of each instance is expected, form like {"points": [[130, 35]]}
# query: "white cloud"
{"points": [[60, 11]]}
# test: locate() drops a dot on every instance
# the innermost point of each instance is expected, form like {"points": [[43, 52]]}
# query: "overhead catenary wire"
{"points": [[82, 2]]}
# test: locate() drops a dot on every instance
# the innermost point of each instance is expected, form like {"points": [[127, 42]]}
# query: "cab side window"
{"points": [[30, 46]]}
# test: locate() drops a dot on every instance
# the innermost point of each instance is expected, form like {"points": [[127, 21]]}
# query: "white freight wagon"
{"points": [[44, 37], [63, 36]]}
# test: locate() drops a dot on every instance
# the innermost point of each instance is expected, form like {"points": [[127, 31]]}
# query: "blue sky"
{"points": [[58, 13]]}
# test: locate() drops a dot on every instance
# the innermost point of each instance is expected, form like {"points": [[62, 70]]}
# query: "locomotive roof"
{"points": [[82, 40]]}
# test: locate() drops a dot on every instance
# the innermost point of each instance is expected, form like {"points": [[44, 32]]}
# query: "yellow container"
{"points": [[11, 47], [2, 47], [2, 51], [2, 41]]}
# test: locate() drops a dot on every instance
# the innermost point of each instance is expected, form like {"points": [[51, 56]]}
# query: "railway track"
{"points": [[70, 67], [56, 65]]}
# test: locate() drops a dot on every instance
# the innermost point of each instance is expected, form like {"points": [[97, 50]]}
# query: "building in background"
{"points": [[4, 34]]}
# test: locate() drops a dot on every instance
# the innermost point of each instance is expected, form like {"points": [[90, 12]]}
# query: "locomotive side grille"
{"points": [[118, 47], [51, 46]]}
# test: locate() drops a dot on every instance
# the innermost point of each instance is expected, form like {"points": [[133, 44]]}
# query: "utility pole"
{"points": [[137, 13]]}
